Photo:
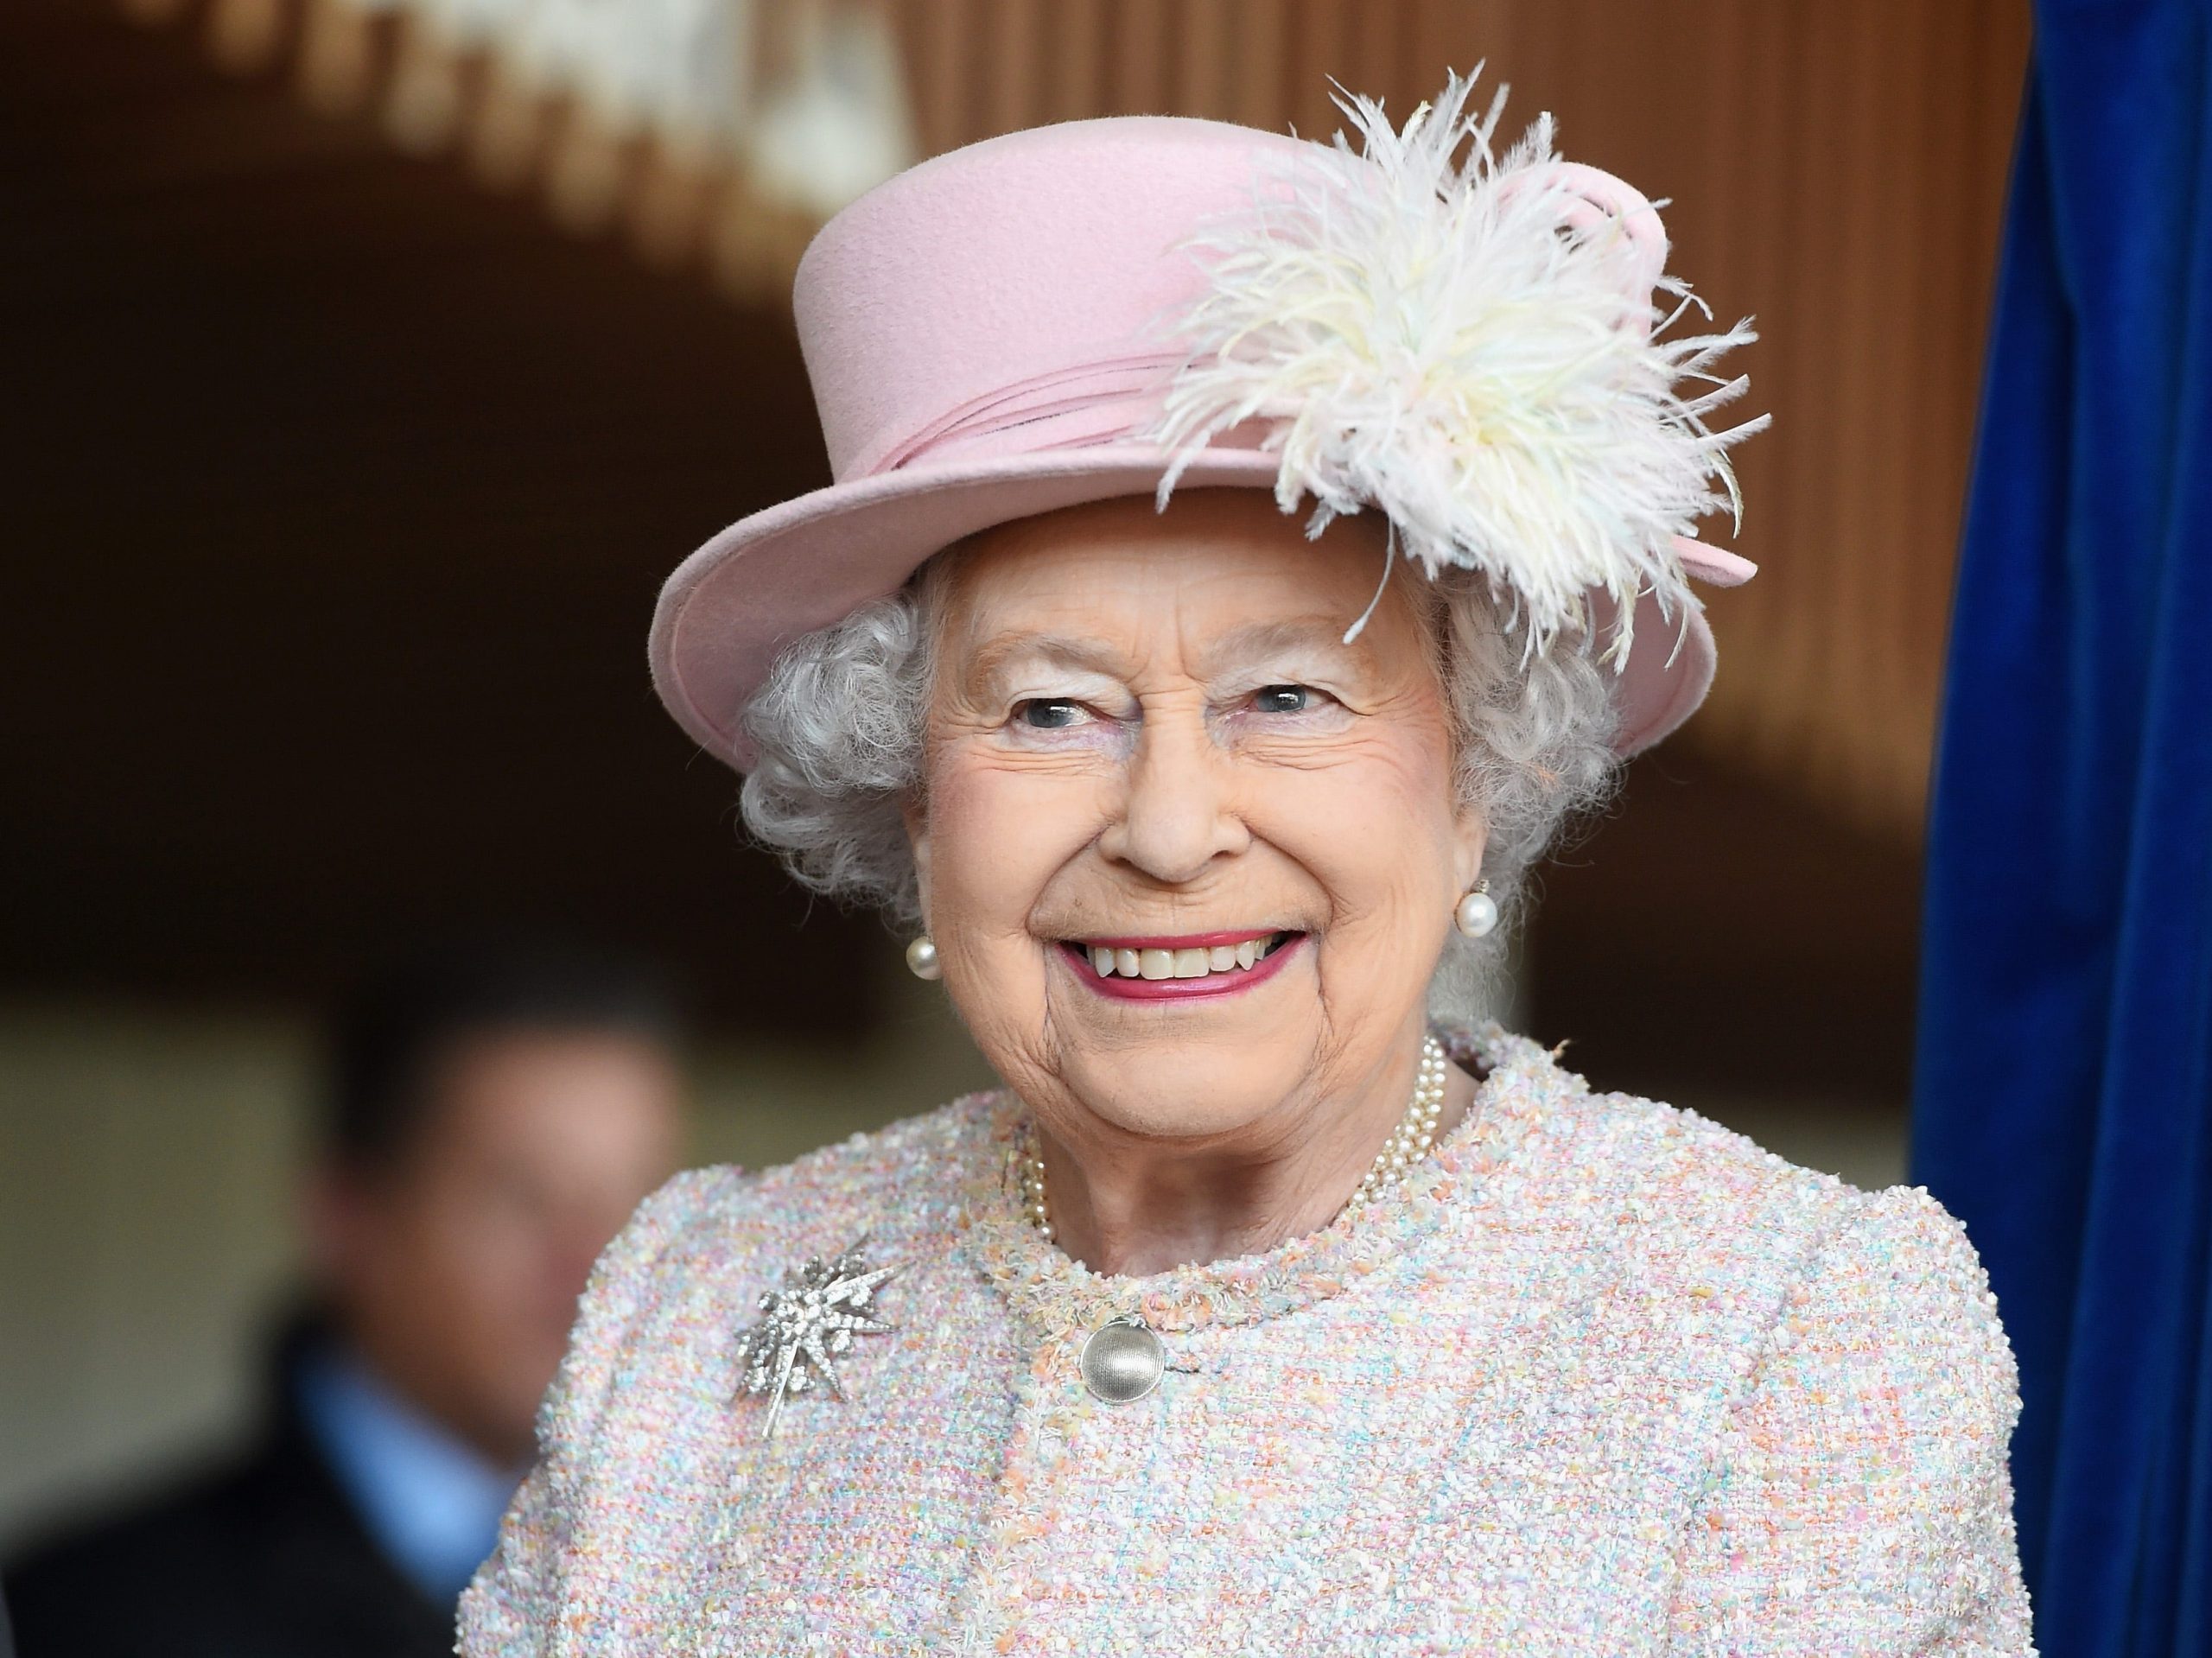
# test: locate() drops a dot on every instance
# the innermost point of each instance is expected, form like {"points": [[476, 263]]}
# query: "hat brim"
{"points": [[784, 573]]}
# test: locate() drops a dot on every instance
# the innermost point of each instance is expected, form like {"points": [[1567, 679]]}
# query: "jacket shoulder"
{"points": [[1695, 1207], [1715, 1177], [1681, 1202], [638, 1419], [707, 1215], [1673, 1173], [678, 1266]]}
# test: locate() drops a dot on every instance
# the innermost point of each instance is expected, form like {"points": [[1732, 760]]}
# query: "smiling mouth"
{"points": [[1191, 964]]}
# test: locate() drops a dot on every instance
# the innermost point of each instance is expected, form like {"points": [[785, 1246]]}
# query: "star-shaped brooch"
{"points": [[815, 1314]]}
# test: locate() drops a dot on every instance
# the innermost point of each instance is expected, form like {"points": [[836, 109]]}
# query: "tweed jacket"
{"points": [[1601, 1378]]}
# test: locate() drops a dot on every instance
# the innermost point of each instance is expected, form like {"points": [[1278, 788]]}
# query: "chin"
{"points": [[1181, 1081]]}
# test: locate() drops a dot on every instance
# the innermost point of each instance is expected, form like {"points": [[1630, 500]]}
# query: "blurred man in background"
{"points": [[494, 1115]]}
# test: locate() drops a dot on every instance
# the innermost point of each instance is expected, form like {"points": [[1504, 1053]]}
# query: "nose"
{"points": [[1177, 816]]}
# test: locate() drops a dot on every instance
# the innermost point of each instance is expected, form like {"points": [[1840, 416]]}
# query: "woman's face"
{"points": [[1188, 858]]}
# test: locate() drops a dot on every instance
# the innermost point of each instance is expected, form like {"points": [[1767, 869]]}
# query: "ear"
{"points": [[1470, 838], [918, 840]]}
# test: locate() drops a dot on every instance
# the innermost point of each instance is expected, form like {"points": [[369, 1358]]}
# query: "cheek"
{"points": [[1375, 831], [997, 838]]}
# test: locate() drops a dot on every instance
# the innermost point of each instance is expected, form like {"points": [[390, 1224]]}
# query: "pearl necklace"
{"points": [[1408, 1144], [1416, 1130]]}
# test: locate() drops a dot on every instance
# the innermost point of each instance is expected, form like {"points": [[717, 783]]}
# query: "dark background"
{"points": [[339, 492]]}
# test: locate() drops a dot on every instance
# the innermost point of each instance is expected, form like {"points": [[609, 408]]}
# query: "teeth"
{"points": [[1107, 961]]}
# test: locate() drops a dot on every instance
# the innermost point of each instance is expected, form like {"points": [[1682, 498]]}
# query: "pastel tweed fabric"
{"points": [[1601, 1378]]}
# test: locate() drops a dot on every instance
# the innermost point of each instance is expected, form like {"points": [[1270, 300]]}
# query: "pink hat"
{"points": [[984, 335]]}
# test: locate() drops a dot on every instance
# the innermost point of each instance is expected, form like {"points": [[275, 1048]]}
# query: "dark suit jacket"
{"points": [[263, 1558]]}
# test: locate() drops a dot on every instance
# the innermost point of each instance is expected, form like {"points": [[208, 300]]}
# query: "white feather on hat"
{"points": [[1474, 348]]}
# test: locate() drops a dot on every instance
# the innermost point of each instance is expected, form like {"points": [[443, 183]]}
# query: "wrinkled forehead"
{"points": [[1223, 579]]}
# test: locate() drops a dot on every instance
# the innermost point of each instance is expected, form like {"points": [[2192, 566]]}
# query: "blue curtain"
{"points": [[2064, 1087]]}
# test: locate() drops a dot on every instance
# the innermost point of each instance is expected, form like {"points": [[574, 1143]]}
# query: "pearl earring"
{"points": [[921, 958], [1477, 912]]}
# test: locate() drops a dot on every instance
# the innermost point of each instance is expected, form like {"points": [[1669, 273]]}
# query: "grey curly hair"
{"points": [[839, 727]]}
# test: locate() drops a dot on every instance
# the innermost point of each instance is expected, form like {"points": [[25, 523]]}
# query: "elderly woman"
{"points": [[1268, 1307]]}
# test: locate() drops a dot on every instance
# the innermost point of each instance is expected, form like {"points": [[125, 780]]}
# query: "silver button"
{"points": [[1123, 1360]]}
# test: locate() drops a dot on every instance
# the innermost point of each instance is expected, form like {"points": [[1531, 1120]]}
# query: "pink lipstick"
{"points": [[1168, 968]]}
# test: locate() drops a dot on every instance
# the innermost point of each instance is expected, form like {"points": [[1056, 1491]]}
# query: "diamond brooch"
{"points": [[815, 1316]]}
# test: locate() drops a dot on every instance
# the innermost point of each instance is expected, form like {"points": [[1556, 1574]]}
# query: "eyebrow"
{"points": [[1257, 638], [1059, 649], [1065, 650]]}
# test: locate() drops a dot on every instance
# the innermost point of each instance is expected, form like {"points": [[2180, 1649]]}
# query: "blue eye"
{"points": [[1281, 699], [1048, 713]]}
